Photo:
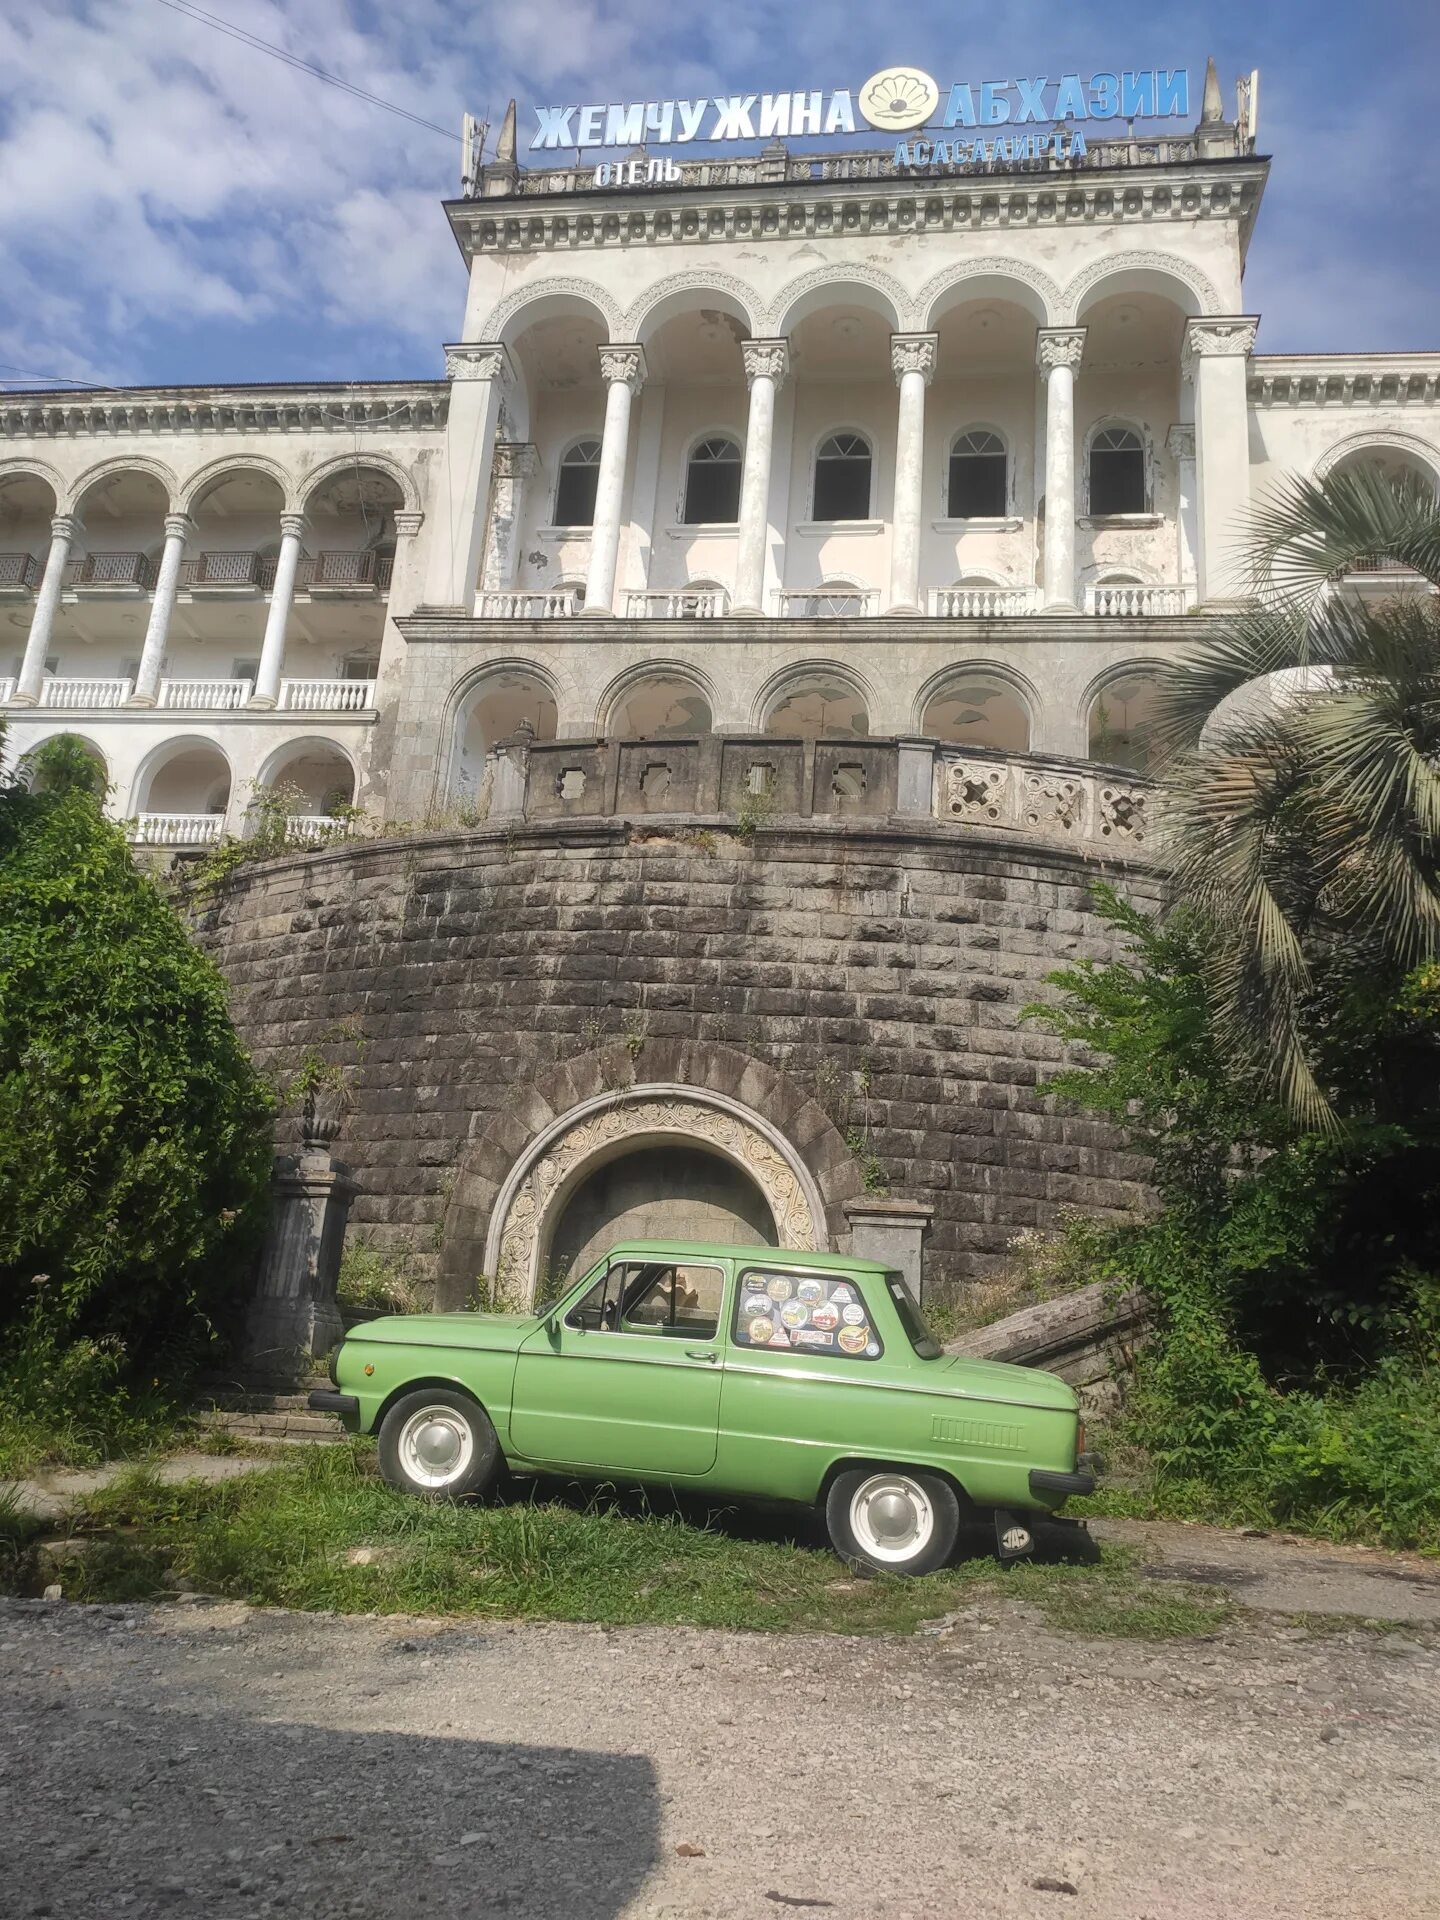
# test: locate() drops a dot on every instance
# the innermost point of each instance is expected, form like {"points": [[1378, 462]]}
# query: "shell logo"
{"points": [[899, 98]]}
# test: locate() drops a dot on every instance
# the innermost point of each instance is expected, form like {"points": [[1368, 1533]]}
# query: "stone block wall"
{"points": [[877, 967]]}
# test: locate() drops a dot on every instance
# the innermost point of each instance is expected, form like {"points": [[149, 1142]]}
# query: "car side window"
{"points": [[598, 1309], [817, 1312], [676, 1299]]}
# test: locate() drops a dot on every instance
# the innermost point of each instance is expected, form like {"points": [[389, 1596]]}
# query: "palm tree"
{"points": [[1301, 751]]}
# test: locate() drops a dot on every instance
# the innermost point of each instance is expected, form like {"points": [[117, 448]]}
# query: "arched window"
{"points": [[1122, 717], [978, 479], [575, 493], [1117, 472], [712, 484], [842, 478]]}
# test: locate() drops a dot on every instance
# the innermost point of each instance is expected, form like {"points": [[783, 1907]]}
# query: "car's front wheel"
{"points": [[439, 1443], [892, 1520]]}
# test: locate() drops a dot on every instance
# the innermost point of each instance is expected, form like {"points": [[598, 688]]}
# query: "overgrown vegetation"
{"points": [[1297, 1372], [134, 1132], [323, 1531]]}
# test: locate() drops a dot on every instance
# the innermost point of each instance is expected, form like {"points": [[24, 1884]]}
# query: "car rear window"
{"points": [[813, 1312]]}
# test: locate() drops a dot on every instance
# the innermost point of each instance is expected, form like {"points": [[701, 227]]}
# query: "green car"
{"points": [[744, 1371]]}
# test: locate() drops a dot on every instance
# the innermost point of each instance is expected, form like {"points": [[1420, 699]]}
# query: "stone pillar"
{"points": [[915, 777], [1214, 359], [1181, 443], [178, 527], [64, 529], [912, 359], [480, 374], [293, 1318], [507, 773], [892, 1231], [514, 464], [272, 647], [766, 364], [623, 370], [1057, 354]]}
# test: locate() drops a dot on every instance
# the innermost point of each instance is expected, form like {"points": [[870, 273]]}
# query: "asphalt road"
{"points": [[204, 1760]]}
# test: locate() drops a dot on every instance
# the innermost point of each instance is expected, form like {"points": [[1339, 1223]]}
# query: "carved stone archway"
{"points": [[532, 1199], [528, 1155]]}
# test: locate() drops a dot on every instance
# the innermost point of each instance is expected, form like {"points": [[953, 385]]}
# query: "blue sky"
{"points": [[175, 207]]}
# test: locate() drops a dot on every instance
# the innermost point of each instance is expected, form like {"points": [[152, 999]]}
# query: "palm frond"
{"points": [[1307, 533]]}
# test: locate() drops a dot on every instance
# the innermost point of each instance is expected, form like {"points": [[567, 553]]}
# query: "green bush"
{"points": [[134, 1132]]}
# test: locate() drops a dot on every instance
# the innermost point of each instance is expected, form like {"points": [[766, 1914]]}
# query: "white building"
{"points": [[780, 444]]}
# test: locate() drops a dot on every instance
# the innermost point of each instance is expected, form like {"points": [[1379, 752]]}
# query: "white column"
{"points": [[64, 529], [1180, 441], [514, 465], [766, 364], [1214, 358], [623, 371], [1057, 354], [480, 376], [272, 647], [178, 527], [912, 359]]}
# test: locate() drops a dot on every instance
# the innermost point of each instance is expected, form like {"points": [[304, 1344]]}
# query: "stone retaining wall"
{"points": [[859, 982]]}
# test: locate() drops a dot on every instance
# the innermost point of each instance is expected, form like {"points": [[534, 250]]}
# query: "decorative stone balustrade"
{"points": [[828, 603], [205, 696], [557, 603], [983, 603], [306, 827], [678, 603], [85, 693], [1053, 799], [176, 829], [7, 689], [1138, 602], [327, 696]]}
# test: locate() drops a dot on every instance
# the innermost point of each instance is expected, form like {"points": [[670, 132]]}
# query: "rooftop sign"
{"points": [[896, 100]]}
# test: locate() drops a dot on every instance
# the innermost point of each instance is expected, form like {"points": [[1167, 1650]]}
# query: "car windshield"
{"points": [[911, 1318]]}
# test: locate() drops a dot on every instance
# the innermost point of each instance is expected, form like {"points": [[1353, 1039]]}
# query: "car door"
{"points": [[628, 1380]]}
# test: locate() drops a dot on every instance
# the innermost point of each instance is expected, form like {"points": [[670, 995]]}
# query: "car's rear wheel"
{"points": [[892, 1519], [439, 1443]]}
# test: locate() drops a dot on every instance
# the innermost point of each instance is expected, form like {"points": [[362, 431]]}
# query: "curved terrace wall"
{"points": [[819, 1000]]}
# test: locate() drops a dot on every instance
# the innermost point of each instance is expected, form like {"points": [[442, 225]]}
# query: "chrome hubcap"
{"points": [[436, 1446], [891, 1517]]}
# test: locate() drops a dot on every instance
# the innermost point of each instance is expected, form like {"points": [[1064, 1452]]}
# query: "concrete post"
{"points": [[64, 529], [766, 363], [1181, 443], [514, 464], [1057, 353], [1214, 358], [892, 1231], [178, 527], [623, 370], [272, 647], [912, 359], [293, 1317], [480, 374]]}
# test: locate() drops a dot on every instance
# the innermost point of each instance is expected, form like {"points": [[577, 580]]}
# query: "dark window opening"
{"points": [[842, 478], [977, 478], [579, 477], [712, 484], [1117, 472]]}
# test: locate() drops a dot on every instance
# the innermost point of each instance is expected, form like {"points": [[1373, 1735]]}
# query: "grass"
{"points": [[321, 1531]]}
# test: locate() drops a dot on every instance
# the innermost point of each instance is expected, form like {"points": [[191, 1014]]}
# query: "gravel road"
{"points": [[208, 1760]]}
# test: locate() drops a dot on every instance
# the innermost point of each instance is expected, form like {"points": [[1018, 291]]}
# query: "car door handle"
{"points": [[701, 1353]]}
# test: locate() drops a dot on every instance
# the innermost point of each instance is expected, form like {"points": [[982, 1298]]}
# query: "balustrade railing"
{"points": [[223, 570], [677, 603], [345, 571], [205, 696], [1136, 601], [176, 829], [983, 603], [1054, 799], [556, 603], [112, 570], [313, 826], [327, 696], [828, 603], [19, 570], [85, 693], [7, 689]]}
